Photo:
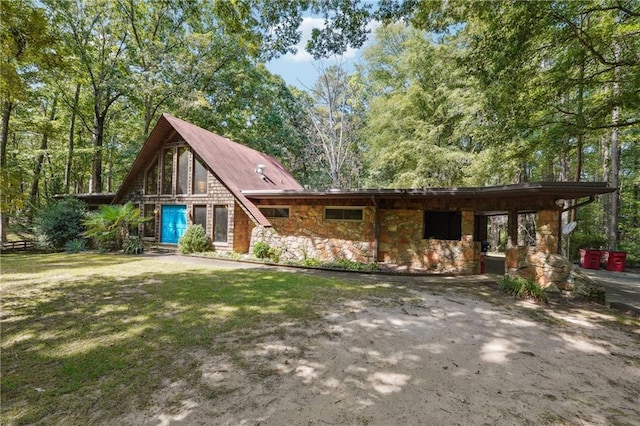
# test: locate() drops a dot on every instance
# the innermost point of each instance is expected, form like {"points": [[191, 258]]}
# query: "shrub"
{"points": [[60, 222], [110, 225], [194, 240], [261, 250], [134, 245], [523, 288], [311, 262], [75, 246]]}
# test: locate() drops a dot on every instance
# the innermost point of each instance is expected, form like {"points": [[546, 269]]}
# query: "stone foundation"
{"points": [[552, 271]]}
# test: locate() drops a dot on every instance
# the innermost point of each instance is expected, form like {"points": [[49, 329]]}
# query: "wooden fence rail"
{"points": [[17, 245]]}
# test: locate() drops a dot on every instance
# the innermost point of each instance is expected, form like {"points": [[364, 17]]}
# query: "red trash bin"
{"points": [[616, 260], [590, 259]]}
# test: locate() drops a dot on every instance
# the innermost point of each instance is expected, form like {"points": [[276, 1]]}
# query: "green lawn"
{"points": [[88, 337]]}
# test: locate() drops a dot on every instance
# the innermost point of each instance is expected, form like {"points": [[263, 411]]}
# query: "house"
{"points": [[185, 174]]}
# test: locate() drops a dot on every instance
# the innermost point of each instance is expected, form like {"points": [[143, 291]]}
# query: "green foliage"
{"points": [[110, 226], [75, 246], [311, 262], [351, 265], [60, 222], [194, 240], [261, 250], [523, 288], [134, 245]]}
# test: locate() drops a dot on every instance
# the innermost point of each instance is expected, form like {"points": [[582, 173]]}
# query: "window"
{"points": [[200, 216], [167, 171], [150, 225], [199, 176], [183, 170], [151, 182], [275, 212], [443, 225], [344, 213], [221, 217]]}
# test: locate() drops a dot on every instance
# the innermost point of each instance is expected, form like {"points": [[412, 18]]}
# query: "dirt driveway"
{"points": [[445, 355]]}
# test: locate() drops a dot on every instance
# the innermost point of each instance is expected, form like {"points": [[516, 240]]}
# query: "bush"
{"points": [[60, 222], [523, 288], [261, 250], [194, 240], [75, 246], [134, 245], [110, 225]]}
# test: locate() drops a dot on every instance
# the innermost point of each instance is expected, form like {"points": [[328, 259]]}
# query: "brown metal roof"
{"points": [[234, 164], [551, 190]]}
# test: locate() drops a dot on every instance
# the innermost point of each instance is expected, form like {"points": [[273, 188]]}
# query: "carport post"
{"points": [[512, 229]]}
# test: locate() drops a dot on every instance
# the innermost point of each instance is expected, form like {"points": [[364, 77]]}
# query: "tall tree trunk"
{"points": [[614, 234], [71, 147], [7, 106], [606, 177], [35, 183], [580, 124], [97, 138]]}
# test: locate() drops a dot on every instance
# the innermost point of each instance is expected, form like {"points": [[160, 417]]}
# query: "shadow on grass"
{"points": [[90, 349]]}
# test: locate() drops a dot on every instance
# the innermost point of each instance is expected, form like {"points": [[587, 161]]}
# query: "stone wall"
{"points": [[305, 234]]}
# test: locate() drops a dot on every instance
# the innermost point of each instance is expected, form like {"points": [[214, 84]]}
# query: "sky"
{"points": [[300, 69]]}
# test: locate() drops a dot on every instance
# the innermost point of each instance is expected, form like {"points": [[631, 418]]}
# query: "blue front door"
{"points": [[174, 223]]}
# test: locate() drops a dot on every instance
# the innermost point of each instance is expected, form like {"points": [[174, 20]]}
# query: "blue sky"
{"points": [[300, 69]]}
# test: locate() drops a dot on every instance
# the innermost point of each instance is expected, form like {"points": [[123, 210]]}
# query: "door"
{"points": [[174, 223]]}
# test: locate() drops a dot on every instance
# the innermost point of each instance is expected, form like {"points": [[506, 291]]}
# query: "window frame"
{"points": [[163, 183], [196, 162], [343, 208], [206, 212], [274, 208], [215, 224], [451, 231], [150, 224], [155, 164], [178, 170]]}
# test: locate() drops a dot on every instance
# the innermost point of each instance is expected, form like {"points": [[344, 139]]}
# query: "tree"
{"points": [[335, 124]]}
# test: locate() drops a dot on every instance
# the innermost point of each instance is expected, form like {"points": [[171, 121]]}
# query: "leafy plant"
{"points": [[261, 250], [311, 262], [194, 240], [60, 222], [134, 245], [523, 288], [110, 226], [75, 246]]}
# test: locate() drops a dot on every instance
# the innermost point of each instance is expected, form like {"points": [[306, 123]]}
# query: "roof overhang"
{"points": [[549, 190]]}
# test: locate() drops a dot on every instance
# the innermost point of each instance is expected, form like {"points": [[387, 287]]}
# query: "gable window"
{"points": [[443, 225], [183, 170], [151, 180], [199, 176], [200, 216], [221, 217], [355, 214], [275, 212], [167, 171]]}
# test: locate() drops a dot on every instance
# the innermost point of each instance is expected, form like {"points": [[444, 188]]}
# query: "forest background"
{"points": [[452, 93]]}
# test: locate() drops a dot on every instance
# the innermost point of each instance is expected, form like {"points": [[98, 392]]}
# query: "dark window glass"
{"points": [[183, 170], [150, 225], [443, 225], [199, 176], [275, 212], [220, 228], [200, 216], [167, 171], [151, 184], [333, 213]]}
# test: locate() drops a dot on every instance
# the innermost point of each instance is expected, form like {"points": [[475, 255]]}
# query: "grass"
{"points": [[523, 288], [88, 337]]}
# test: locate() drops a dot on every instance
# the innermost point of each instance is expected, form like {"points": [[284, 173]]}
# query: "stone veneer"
{"points": [[402, 243], [305, 234]]}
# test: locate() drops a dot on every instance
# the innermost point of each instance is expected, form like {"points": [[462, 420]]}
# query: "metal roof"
{"points": [[232, 163], [550, 190]]}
